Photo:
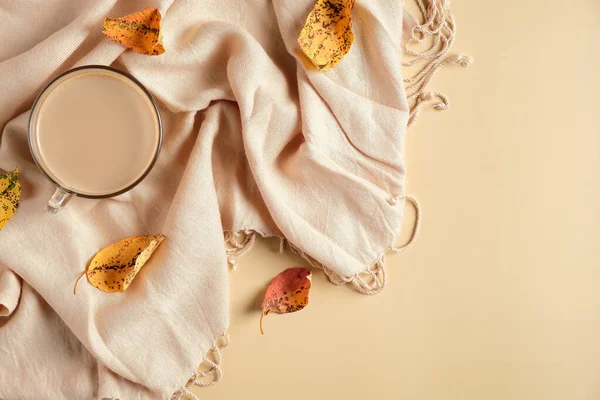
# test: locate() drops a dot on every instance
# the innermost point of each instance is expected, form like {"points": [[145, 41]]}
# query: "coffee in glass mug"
{"points": [[95, 132]]}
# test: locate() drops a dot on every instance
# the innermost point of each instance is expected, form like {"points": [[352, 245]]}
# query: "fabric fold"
{"points": [[10, 291]]}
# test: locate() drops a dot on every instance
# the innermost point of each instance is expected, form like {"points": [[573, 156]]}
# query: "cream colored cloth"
{"points": [[255, 140]]}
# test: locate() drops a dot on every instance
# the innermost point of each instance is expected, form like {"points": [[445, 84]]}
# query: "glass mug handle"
{"points": [[58, 200]]}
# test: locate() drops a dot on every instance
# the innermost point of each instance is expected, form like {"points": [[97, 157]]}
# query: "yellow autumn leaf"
{"points": [[327, 34], [139, 32], [10, 193], [113, 268]]}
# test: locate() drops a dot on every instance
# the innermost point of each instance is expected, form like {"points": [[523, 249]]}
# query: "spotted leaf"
{"points": [[139, 32], [327, 34], [10, 193], [113, 268], [287, 293]]}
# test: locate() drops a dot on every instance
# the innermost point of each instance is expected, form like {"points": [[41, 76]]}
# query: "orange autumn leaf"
{"points": [[287, 293], [139, 32], [327, 34]]}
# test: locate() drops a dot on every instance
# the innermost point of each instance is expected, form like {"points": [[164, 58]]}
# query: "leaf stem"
{"points": [[78, 278]]}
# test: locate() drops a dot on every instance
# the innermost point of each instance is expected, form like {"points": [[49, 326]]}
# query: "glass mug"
{"points": [[95, 132]]}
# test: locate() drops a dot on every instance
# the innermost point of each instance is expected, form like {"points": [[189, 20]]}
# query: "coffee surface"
{"points": [[96, 132]]}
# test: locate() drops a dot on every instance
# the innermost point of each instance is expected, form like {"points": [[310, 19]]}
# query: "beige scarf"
{"points": [[257, 143]]}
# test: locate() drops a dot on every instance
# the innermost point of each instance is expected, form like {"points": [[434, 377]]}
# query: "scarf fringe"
{"points": [[208, 373], [438, 24], [237, 244], [369, 281]]}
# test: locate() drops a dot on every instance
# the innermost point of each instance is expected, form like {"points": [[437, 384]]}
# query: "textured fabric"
{"points": [[255, 139]]}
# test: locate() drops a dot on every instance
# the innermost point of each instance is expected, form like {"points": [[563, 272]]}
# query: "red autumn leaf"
{"points": [[287, 293]]}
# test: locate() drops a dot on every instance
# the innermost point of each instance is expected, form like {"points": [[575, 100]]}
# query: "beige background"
{"points": [[499, 297]]}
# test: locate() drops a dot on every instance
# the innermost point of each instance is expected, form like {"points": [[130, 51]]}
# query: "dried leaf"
{"points": [[10, 193], [113, 268], [139, 32], [327, 34], [287, 293]]}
